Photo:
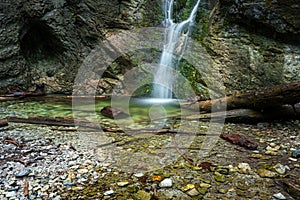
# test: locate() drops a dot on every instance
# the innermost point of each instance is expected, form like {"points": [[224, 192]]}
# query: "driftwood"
{"points": [[88, 97], [254, 99], [57, 121], [285, 112]]}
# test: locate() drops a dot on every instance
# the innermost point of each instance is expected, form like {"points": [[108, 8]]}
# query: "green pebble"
{"points": [[219, 177], [223, 191]]}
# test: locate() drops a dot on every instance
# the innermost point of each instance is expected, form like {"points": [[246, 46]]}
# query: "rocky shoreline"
{"points": [[47, 165]]}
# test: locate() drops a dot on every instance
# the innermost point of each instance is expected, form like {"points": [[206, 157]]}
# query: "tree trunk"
{"points": [[255, 99]]}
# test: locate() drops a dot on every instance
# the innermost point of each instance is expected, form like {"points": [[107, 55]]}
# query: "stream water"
{"points": [[61, 106]]}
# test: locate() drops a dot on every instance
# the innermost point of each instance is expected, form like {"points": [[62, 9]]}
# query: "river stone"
{"points": [[280, 169], [123, 183], [22, 173], [10, 194], [193, 192], [244, 168], [138, 175], [219, 177], [109, 192], [83, 171], [188, 187], [266, 173], [296, 153], [166, 183], [279, 196]]}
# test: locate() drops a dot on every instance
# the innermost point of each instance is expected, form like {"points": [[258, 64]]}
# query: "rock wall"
{"points": [[46, 40], [253, 43]]}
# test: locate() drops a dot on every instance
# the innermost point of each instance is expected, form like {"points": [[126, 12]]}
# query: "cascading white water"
{"points": [[176, 36]]}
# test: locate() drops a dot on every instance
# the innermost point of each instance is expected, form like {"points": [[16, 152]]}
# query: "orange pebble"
{"points": [[156, 178]]}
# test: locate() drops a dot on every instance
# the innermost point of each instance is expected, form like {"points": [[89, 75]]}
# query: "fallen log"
{"points": [[255, 99], [57, 121], [286, 112]]}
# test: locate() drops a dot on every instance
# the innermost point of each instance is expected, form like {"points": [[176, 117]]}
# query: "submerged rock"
{"points": [[113, 113], [240, 140]]}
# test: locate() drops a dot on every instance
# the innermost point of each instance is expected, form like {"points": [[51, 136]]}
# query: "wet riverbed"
{"points": [[140, 162]]}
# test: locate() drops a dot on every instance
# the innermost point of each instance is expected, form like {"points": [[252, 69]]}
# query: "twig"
{"points": [[26, 188], [12, 141]]}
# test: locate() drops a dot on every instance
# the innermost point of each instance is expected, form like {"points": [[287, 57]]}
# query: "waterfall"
{"points": [[175, 40]]}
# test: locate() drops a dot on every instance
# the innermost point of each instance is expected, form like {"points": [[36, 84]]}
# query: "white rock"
{"points": [[122, 184], [193, 192], [293, 159], [138, 175], [10, 194], [109, 192], [83, 171], [166, 183], [279, 196], [244, 168], [280, 169]]}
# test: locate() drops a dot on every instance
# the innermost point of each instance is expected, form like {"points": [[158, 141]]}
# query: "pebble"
{"points": [[219, 177], [223, 191], [188, 187], [139, 175], [296, 154], [10, 194], [293, 159], [193, 192], [156, 178], [22, 173], [279, 196], [266, 173], [83, 171], [122, 184], [166, 183], [280, 169], [244, 168], [109, 192], [272, 153]]}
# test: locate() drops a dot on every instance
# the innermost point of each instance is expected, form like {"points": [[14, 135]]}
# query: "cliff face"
{"points": [[253, 43], [45, 41]]}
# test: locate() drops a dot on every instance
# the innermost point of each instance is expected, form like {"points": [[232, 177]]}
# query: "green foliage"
{"points": [[194, 78], [143, 91]]}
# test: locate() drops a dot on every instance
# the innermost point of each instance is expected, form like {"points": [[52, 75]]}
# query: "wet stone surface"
{"points": [[57, 166]]}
